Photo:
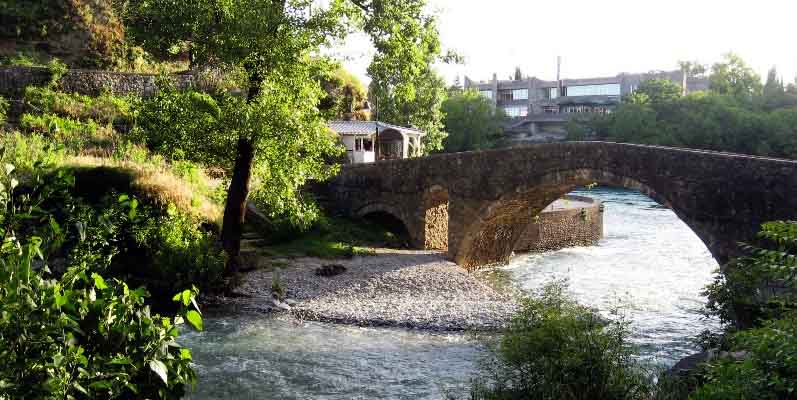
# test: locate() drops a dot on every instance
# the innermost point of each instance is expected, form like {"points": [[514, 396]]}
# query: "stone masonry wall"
{"points": [[558, 229], [14, 80]]}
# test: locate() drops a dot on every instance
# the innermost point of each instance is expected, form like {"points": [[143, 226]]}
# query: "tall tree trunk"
{"points": [[235, 208], [238, 192]]}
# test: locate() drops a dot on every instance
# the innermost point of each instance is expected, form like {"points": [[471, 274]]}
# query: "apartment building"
{"points": [[539, 109]]}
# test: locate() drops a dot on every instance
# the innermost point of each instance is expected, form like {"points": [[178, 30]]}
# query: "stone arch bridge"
{"points": [[476, 205]]}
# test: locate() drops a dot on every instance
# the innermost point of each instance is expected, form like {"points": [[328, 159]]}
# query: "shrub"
{"points": [[557, 349], [76, 135], [761, 285], [163, 249], [767, 368], [3, 110], [104, 109], [76, 334]]}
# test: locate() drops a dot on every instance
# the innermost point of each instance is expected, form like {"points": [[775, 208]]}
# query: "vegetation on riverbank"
{"points": [[69, 327], [555, 348]]}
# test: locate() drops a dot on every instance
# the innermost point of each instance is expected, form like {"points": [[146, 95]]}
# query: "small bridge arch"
{"points": [[492, 195]]}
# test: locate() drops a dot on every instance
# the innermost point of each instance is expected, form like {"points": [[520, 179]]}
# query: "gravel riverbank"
{"points": [[411, 289]]}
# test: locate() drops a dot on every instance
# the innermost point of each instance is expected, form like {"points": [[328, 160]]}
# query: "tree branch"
{"points": [[362, 4]]}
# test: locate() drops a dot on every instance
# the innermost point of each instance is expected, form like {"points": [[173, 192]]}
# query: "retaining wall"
{"points": [[14, 80], [576, 224]]}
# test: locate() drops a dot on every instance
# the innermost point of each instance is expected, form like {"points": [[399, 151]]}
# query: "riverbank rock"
{"points": [[330, 270]]}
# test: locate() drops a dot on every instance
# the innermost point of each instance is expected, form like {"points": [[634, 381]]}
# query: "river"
{"points": [[649, 262]]}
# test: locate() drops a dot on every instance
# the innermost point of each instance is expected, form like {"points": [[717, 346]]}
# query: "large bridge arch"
{"points": [[494, 231], [723, 197]]}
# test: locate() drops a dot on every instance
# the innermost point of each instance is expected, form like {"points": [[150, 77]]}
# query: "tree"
{"points": [[656, 91], [518, 74], [405, 89], [345, 96], [471, 121], [272, 42], [773, 85], [735, 78], [692, 69]]}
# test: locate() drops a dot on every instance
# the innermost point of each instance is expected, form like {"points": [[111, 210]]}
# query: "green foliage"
{"points": [[290, 149], [703, 121], [577, 129], [656, 91], [74, 334], [162, 249], [405, 88], [104, 109], [57, 70], [557, 349], [4, 105], [767, 368], [345, 96], [185, 124], [471, 121], [337, 238], [735, 78], [761, 285], [419, 107]]}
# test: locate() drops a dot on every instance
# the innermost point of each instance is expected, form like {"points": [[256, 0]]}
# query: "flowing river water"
{"points": [[649, 263]]}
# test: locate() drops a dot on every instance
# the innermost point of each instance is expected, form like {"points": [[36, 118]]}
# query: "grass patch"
{"points": [[338, 238]]}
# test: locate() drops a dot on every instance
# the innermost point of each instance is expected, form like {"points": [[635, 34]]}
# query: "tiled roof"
{"points": [[367, 127]]}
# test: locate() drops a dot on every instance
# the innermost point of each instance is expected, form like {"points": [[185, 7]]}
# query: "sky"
{"points": [[603, 38]]}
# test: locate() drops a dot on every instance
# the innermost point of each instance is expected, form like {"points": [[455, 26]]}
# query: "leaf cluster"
{"points": [[76, 335], [555, 348]]}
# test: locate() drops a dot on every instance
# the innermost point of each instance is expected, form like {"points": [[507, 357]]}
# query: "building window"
{"points": [[550, 93], [487, 93], [551, 109], [358, 144], [516, 112], [611, 89], [505, 95], [520, 94]]}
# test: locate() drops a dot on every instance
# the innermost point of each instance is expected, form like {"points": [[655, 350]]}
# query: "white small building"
{"points": [[362, 138]]}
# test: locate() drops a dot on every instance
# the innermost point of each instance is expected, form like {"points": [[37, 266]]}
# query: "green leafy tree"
{"points": [[471, 121], [272, 42], [656, 91], [692, 69], [735, 78], [775, 94], [405, 89], [345, 96]]}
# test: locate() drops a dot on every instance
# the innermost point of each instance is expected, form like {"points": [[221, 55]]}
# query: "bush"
{"points": [[104, 109], [761, 285], [557, 349], [767, 368], [3, 110], [165, 250], [75, 334]]}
